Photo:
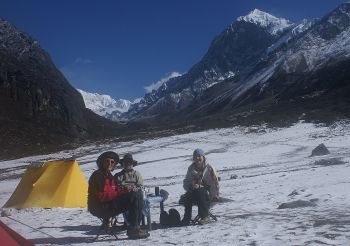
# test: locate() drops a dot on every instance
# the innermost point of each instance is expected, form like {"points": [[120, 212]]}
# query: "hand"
{"points": [[128, 188], [195, 186]]}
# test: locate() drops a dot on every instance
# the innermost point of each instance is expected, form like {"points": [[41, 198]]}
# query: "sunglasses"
{"points": [[110, 161]]}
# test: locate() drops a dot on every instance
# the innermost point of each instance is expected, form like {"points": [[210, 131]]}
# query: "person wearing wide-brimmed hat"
{"points": [[131, 180], [201, 185], [129, 177], [107, 199]]}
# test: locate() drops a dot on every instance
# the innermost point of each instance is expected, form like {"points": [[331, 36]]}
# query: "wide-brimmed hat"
{"points": [[128, 159], [105, 155]]}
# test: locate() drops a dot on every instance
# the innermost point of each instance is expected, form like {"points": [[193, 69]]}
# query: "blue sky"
{"points": [[118, 47]]}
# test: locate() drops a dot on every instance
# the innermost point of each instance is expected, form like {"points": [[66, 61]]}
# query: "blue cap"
{"points": [[198, 152]]}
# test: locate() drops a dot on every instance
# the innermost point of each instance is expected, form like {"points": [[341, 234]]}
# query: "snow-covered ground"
{"points": [[260, 169]]}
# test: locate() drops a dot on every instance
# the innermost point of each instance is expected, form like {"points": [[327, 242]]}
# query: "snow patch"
{"points": [[273, 24], [155, 86], [271, 166], [316, 51]]}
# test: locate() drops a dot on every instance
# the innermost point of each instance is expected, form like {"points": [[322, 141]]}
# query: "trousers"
{"points": [[199, 197], [131, 202]]}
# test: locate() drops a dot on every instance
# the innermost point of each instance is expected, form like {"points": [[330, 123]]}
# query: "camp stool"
{"points": [[159, 196], [196, 220], [210, 214], [110, 229]]}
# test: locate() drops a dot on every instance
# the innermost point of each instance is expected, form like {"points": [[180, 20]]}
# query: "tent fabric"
{"points": [[9, 237], [53, 184]]}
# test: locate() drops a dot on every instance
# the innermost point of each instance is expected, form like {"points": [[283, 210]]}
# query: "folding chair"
{"points": [[110, 228], [197, 218]]}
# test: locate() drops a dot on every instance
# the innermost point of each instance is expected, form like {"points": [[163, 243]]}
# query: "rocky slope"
{"points": [[39, 109]]}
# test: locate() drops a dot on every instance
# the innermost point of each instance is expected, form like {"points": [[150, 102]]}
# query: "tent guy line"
{"points": [[35, 229]]}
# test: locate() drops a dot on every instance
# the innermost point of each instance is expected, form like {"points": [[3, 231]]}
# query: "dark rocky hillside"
{"points": [[39, 110]]}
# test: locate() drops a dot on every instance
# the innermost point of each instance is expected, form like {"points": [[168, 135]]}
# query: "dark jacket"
{"points": [[102, 190]]}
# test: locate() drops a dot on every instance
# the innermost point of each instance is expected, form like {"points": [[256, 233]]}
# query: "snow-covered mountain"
{"points": [[233, 53], [328, 39], [325, 43], [261, 61], [105, 105]]}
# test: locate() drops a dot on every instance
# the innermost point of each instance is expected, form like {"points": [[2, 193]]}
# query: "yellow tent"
{"points": [[52, 184]]}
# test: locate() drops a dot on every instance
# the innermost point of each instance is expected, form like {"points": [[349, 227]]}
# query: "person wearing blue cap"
{"points": [[202, 186]]}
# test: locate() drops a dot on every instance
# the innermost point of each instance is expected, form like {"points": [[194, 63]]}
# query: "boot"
{"points": [[204, 220], [106, 223], [137, 233], [185, 222]]}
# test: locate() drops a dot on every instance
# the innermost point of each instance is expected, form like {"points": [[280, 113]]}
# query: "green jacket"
{"points": [[132, 177]]}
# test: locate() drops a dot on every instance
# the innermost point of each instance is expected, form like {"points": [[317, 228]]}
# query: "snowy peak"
{"points": [[104, 104], [273, 24]]}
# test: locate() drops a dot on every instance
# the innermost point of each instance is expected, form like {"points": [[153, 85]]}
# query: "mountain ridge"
{"points": [[251, 73], [200, 90], [218, 64]]}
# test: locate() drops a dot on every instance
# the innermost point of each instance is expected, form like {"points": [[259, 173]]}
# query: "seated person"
{"points": [[106, 199], [130, 179], [202, 186]]}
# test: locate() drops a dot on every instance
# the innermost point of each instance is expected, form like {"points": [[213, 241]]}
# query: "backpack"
{"points": [[163, 219], [171, 218]]}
